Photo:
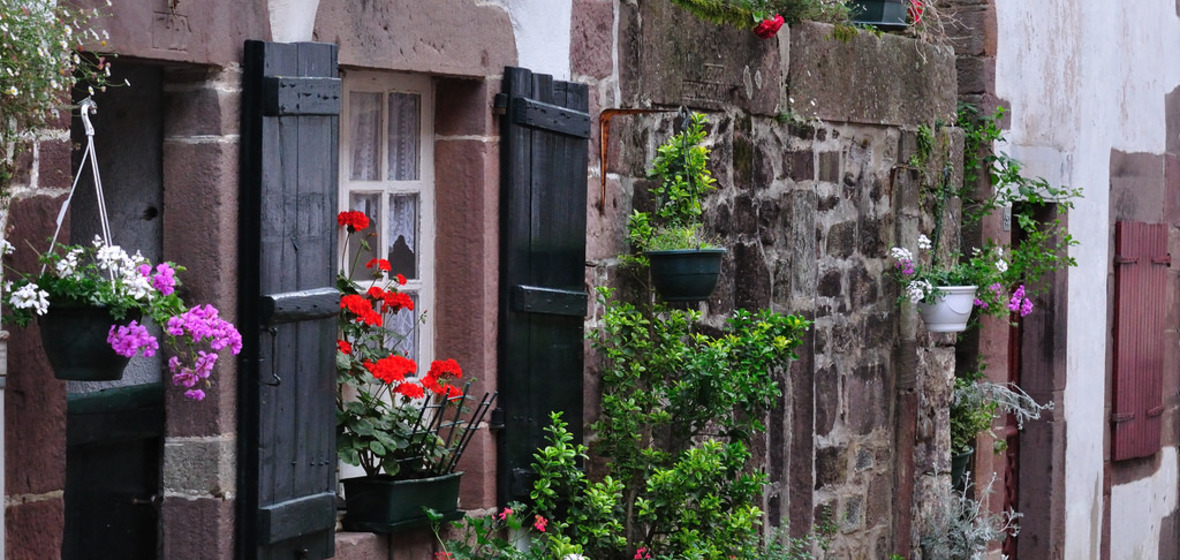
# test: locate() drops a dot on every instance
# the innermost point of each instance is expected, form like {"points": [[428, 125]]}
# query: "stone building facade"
{"points": [[812, 138]]}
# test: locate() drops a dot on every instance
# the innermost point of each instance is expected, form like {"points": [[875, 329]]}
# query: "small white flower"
{"points": [[999, 251], [924, 243], [901, 254], [1002, 266], [916, 291], [30, 296], [6, 248], [13, 91], [574, 557], [138, 286]]}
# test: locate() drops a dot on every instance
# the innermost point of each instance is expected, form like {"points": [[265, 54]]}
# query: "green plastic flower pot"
{"points": [[884, 14], [381, 504], [959, 464], [685, 274], [75, 341]]}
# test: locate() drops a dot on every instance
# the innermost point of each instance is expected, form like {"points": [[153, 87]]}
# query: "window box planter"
{"points": [[381, 504], [884, 14]]}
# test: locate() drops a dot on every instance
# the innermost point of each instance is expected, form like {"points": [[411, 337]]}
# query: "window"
{"points": [[387, 172]]}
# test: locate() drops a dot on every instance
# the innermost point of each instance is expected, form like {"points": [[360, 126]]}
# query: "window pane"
{"points": [[405, 323], [403, 234], [358, 256], [404, 129], [364, 110]]}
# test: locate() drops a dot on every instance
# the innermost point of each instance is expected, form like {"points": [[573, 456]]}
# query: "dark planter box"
{"points": [[381, 504], [885, 14]]}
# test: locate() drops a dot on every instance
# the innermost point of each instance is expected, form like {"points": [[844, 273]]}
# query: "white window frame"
{"points": [[385, 83]]}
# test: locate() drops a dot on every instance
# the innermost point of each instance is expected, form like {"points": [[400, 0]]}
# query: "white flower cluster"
{"points": [[901, 254], [917, 290], [30, 296], [924, 243], [126, 267]]}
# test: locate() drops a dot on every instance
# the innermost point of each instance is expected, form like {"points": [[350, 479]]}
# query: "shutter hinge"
{"points": [[500, 104], [1165, 260], [1119, 259], [1155, 411], [1121, 417]]}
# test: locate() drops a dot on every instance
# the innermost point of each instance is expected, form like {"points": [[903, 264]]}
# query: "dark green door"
{"points": [[115, 441]]}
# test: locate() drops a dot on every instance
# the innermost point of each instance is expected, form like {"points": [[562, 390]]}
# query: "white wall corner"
{"points": [[292, 20]]}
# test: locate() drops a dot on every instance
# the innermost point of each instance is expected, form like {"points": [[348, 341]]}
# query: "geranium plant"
{"points": [[128, 286], [389, 418], [765, 17]]}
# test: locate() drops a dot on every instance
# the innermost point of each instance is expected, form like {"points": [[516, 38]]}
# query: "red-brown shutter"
{"points": [[1141, 261]]}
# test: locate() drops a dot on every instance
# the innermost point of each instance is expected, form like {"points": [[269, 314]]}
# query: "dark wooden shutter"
{"points": [[290, 119], [545, 138], [1141, 261]]}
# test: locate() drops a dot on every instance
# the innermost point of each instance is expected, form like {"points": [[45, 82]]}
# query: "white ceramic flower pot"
{"points": [[950, 312]]}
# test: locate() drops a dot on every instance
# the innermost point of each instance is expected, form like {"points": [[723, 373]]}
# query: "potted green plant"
{"points": [[977, 404], [407, 431], [684, 265], [89, 299]]}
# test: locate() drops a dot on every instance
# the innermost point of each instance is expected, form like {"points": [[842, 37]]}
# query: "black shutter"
{"points": [[290, 119], [545, 138]]}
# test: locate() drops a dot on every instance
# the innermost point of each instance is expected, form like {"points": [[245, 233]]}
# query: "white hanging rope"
{"points": [[88, 107]]}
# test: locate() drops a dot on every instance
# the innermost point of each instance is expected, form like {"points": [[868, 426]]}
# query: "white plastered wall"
{"points": [[1081, 79], [542, 29]]}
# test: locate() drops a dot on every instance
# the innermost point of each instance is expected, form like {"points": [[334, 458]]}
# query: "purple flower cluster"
{"points": [[201, 325], [163, 280], [1020, 303], [132, 339], [906, 266]]}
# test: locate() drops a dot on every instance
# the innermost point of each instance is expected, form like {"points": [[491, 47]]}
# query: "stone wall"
{"points": [[814, 188]]}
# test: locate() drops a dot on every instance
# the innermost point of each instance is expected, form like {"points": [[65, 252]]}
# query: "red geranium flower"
{"points": [[344, 346], [392, 368], [401, 279], [769, 27], [412, 390], [361, 307], [381, 264], [353, 220], [915, 11]]}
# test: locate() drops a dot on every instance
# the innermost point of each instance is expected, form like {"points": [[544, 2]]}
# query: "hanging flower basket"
{"points": [[382, 504], [75, 339], [950, 311], [685, 274]]}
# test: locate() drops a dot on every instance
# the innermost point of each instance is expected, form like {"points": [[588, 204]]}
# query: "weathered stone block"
{"points": [[34, 530], [703, 65], [827, 399], [462, 107], [591, 38], [801, 163], [831, 466], [752, 277], [187, 522], [867, 405], [898, 81], [473, 40], [829, 167], [841, 240], [977, 74], [200, 466]]}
